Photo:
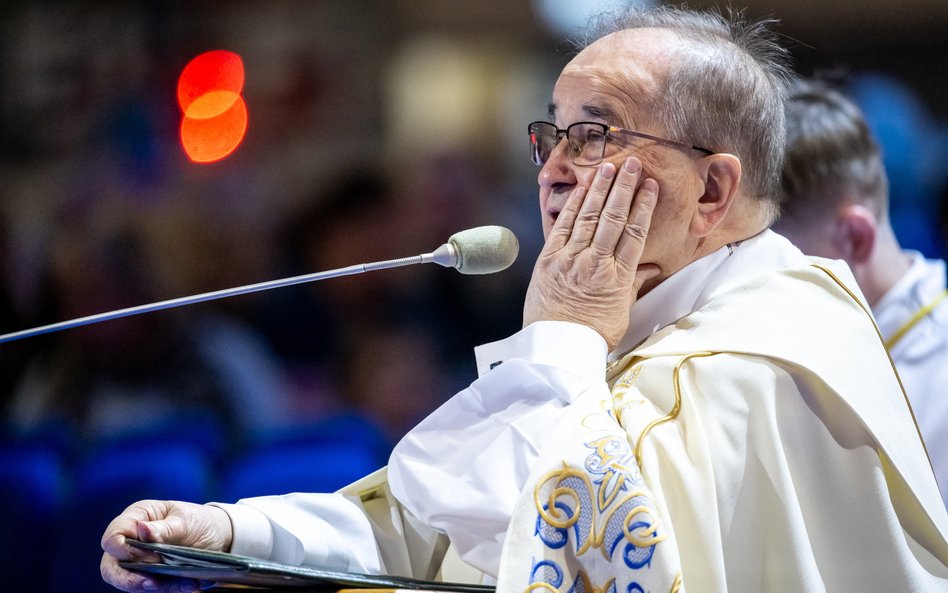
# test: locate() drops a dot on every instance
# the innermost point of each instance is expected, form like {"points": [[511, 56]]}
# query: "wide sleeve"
{"points": [[327, 530], [462, 469], [361, 528]]}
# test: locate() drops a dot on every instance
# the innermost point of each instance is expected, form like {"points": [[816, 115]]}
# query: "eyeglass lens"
{"points": [[586, 142]]}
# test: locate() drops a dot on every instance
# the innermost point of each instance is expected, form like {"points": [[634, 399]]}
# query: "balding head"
{"points": [[722, 85]]}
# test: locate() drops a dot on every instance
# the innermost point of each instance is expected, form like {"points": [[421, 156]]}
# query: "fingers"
{"points": [[125, 580], [563, 229], [134, 582], [597, 217], [590, 214], [172, 529], [126, 526], [615, 213], [631, 242]]}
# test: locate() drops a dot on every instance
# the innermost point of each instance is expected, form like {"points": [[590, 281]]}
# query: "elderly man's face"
{"points": [[611, 82]]}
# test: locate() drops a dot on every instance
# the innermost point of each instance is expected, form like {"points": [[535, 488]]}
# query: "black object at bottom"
{"points": [[223, 568]]}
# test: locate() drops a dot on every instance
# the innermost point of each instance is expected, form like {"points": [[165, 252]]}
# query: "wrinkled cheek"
{"points": [[661, 237], [545, 219]]}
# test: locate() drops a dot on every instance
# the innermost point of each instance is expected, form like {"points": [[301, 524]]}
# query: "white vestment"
{"points": [[921, 353], [757, 441]]}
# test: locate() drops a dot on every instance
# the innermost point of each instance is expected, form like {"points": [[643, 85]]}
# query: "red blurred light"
{"points": [[215, 115], [218, 70]]}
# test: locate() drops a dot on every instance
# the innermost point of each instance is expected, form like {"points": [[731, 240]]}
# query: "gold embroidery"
{"points": [[611, 366], [603, 421], [629, 378], [586, 586], [615, 468], [626, 380], [643, 537], [541, 585], [548, 516], [601, 503], [677, 584], [609, 585]]}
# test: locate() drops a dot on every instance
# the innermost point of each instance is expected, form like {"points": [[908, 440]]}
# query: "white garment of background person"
{"points": [[921, 353]]}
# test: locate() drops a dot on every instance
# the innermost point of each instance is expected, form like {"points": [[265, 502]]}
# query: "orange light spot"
{"points": [[215, 115], [210, 139], [211, 104]]}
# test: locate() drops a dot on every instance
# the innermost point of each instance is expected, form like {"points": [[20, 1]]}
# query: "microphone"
{"points": [[481, 250]]}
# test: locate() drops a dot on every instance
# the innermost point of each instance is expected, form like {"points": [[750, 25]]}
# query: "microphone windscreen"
{"points": [[485, 249]]}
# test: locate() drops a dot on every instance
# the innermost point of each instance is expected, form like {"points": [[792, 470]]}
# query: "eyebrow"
{"points": [[593, 111], [600, 112]]}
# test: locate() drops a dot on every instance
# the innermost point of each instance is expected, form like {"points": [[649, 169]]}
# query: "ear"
{"points": [[721, 174], [854, 233]]}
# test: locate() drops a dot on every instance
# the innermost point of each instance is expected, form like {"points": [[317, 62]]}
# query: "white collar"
{"points": [[694, 285], [922, 282]]}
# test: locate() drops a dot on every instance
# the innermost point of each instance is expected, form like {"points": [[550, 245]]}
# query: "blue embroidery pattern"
{"points": [[603, 506]]}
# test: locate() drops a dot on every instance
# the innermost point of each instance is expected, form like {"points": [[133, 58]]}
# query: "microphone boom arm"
{"points": [[446, 255]]}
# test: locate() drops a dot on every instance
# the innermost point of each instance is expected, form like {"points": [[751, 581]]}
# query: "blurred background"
{"points": [[376, 129]]}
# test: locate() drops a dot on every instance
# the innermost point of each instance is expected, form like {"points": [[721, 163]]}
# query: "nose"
{"points": [[558, 169]]}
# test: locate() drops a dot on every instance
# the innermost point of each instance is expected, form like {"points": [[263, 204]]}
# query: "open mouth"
{"points": [[552, 216]]}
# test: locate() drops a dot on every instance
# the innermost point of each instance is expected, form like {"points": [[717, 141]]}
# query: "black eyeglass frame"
{"points": [[606, 130]]}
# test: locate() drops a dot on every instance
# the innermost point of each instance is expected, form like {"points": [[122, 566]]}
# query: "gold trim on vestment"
{"points": [[918, 316], [675, 409], [891, 362]]}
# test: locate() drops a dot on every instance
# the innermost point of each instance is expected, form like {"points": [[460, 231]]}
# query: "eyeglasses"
{"points": [[586, 141]]}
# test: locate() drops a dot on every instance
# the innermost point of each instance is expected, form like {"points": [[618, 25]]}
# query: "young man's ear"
{"points": [[854, 233], [722, 175]]}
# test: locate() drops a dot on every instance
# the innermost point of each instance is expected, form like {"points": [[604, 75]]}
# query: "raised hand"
{"points": [[165, 521], [588, 271]]}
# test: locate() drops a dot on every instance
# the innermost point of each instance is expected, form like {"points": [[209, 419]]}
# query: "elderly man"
{"points": [[837, 195], [691, 403]]}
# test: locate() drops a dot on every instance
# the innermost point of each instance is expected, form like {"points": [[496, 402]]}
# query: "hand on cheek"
{"points": [[588, 271]]}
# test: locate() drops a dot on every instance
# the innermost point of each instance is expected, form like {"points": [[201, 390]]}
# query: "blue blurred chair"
{"points": [[106, 481], [319, 458], [32, 493]]}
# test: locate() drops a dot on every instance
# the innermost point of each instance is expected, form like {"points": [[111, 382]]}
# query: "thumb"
{"points": [[643, 274], [168, 531]]}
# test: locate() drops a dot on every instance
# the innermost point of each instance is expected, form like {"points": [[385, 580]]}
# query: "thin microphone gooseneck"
{"points": [[481, 250]]}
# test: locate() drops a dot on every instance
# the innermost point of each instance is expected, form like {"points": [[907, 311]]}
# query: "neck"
{"points": [[749, 223]]}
